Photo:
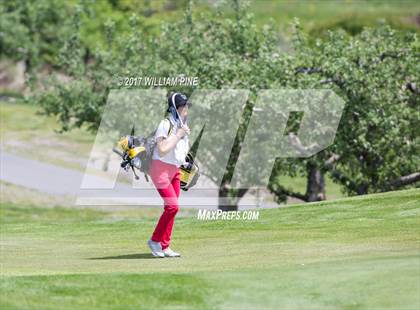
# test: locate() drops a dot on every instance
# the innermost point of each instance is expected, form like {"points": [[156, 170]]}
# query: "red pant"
{"points": [[165, 177]]}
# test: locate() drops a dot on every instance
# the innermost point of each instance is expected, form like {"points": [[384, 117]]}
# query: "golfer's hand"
{"points": [[184, 130]]}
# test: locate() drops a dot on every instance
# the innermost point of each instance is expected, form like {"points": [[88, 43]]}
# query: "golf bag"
{"points": [[137, 152]]}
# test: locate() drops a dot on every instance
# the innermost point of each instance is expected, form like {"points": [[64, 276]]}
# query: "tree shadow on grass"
{"points": [[127, 256]]}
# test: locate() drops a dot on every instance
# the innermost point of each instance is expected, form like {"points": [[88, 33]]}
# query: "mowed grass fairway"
{"points": [[361, 252]]}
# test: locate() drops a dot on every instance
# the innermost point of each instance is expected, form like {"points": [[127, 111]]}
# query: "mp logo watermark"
{"points": [[281, 124]]}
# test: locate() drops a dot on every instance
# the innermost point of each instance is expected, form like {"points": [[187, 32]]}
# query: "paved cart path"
{"points": [[55, 180]]}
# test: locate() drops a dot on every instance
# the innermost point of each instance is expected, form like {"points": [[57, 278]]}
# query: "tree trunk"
{"points": [[406, 180], [315, 187], [227, 203], [362, 189]]}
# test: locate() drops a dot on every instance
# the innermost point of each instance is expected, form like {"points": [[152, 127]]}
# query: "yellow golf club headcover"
{"points": [[123, 143]]}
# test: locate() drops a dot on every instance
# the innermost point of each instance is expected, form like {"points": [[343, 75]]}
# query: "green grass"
{"points": [[352, 15], [355, 253], [316, 16]]}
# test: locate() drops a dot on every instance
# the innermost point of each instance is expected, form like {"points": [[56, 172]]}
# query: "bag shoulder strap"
{"points": [[171, 126]]}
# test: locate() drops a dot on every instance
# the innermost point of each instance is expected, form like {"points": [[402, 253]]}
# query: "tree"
{"points": [[32, 30], [377, 145], [235, 53], [223, 53]]}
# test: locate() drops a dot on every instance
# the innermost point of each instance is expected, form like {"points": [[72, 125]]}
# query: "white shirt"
{"points": [[175, 156]]}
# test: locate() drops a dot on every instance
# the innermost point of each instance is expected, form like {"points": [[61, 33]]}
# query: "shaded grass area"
{"points": [[353, 253], [135, 290]]}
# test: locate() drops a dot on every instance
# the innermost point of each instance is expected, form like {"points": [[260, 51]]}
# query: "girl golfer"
{"points": [[169, 154]]}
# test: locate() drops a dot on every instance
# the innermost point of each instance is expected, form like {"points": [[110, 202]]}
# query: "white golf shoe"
{"points": [[156, 248], [169, 253]]}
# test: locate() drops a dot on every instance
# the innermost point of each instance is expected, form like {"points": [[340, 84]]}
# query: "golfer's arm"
{"points": [[165, 145]]}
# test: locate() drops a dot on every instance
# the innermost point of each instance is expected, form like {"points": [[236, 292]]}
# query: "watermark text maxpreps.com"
{"points": [[213, 215]]}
